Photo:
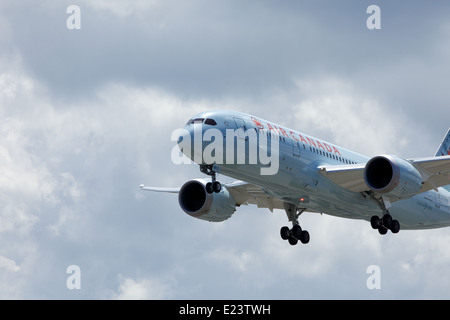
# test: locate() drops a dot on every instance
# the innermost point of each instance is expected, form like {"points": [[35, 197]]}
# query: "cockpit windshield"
{"points": [[196, 120], [211, 122], [208, 121]]}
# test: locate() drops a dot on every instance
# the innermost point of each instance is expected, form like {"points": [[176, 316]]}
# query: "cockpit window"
{"points": [[211, 122], [196, 120]]}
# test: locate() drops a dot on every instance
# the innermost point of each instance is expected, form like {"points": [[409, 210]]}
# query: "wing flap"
{"points": [[245, 193]]}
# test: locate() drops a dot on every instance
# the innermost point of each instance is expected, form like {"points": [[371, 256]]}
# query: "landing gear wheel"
{"points": [[395, 226], [292, 241], [375, 222], [387, 220], [304, 237], [216, 186], [294, 235], [384, 224], [213, 186], [297, 231], [209, 187], [285, 233]]}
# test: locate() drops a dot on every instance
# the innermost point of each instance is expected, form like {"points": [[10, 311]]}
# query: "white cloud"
{"points": [[122, 8], [70, 164], [70, 159], [241, 261], [332, 107], [8, 264], [143, 289]]}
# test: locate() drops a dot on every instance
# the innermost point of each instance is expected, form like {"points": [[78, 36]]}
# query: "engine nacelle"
{"points": [[196, 202], [392, 176]]}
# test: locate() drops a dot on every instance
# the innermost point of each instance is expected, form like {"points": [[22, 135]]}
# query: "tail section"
{"points": [[444, 149]]}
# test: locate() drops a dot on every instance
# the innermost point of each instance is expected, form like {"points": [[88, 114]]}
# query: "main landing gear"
{"points": [[296, 233], [386, 222], [214, 185]]}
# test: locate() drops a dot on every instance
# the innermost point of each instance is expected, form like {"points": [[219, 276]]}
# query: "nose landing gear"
{"points": [[214, 185]]}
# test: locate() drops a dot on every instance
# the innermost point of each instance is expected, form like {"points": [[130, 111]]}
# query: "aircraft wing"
{"points": [[435, 172], [160, 189], [350, 176], [242, 192], [246, 193]]}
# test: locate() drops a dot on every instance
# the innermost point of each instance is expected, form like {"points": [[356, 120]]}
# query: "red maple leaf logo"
{"points": [[257, 123]]}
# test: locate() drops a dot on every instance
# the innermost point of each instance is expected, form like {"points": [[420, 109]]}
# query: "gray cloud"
{"points": [[87, 115], [203, 48]]}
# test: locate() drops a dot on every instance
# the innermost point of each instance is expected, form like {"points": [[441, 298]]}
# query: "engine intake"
{"points": [[392, 176], [196, 202]]}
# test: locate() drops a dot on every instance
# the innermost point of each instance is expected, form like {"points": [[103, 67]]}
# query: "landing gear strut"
{"points": [[296, 233], [386, 222], [214, 185]]}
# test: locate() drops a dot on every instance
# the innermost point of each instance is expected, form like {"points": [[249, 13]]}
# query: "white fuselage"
{"points": [[297, 178]]}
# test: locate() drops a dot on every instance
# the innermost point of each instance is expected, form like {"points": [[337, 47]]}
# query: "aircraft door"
{"points": [[296, 150]]}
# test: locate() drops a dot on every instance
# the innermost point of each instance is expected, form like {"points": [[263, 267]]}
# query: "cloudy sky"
{"points": [[86, 116]]}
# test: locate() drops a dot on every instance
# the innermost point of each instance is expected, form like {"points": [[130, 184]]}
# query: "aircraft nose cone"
{"points": [[180, 138], [184, 137], [185, 141]]}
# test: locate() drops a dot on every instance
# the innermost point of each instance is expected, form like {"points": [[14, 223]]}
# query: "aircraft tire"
{"points": [[304, 237], [387, 220], [285, 233], [216, 186], [375, 222], [209, 187], [395, 226], [293, 241], [297, 231], [382, 230]]}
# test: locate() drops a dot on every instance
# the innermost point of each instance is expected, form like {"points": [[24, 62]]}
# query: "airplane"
{"points": [[305, 174]]}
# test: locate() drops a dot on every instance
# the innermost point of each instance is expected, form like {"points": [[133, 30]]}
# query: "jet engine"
{"points": [[392, 176], [197, 202]]}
